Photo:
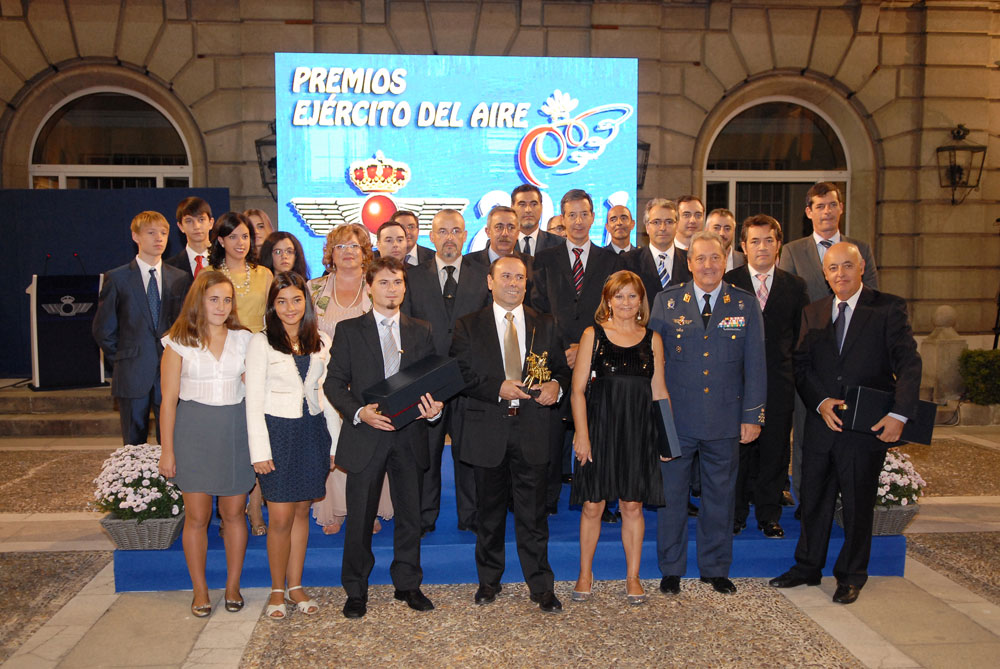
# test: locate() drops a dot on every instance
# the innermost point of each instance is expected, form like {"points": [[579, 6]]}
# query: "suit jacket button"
{"points": [[706, 374], [705, 354], [840, 378], [706, 336], [706, 391]]}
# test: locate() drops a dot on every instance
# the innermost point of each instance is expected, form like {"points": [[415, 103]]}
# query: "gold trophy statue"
{"points": [[538, 370]]}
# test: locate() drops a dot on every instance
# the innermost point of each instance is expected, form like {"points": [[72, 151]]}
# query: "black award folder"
{"points": [[398, 396], [863, 407], [667, 443]]}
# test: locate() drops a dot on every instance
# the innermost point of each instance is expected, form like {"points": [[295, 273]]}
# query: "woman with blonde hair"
{"points": [[616, 439], [339, 295], [260, 227]]}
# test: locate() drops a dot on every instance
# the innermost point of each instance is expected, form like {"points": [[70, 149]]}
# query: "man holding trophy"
{"points": [[515, 371]]}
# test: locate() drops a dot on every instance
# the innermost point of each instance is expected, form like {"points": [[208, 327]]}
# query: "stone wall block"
{"points": [[229, 72], [648, 113], [899, 116], [567, 42], [337, 39], [722, 58], [946, 113], [373, 11], [671, 79], [220, 109], [895, 251], [19, 48], [750, 31], [928, 185], [176, 10], [943, 284], [225, 145], [528, 42], [649, 76], [957, 20], [951, 82], [910, 82], [958, 49], [676, 148], [860, 62], [701, 87], [944, 218], [897, 217], [719, 15], [672, 180], [573, 15], [174, 48], [625, 14], [627, 43], [899, 151], [140, 25], [879, 90], [681, 115], [269, 9], [497, 25], [50, 24], [962, 251], [251, 131], [262, 37], [230, 175], [680, 47], [10, 83], [792, 34], [376, 39], [11, 8], [219, 39], [95, 25], [531, 12], [258, 105], [408, 22], [679, 17], [454, 27], [216, 10], [338, 11], [898, 183], [833, 36], [972, 317], [900, 19], [900, 49], [196, 80], [897, 281]]}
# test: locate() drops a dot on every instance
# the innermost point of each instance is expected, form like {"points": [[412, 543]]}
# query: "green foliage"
{"points": [[980, 372]]}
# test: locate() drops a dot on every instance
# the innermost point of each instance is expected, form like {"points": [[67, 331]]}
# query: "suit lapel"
{"points": [[595, 263], [862, 312], [137, 287], [494, 356], [371, 338], [407, 342]]}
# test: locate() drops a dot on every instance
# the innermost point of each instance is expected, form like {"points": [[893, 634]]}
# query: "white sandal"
{"points": [[276, 608], [305, 604]]}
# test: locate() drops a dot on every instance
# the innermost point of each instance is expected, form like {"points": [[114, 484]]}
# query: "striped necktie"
{"points": [[762, 291], [578, 270], [390, 352], [662, 270]]}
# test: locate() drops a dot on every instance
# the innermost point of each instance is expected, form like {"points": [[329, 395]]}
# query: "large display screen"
{"points": [[361, 135]]}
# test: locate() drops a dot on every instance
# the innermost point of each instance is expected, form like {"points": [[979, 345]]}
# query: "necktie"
{"points": [[511, 351], [153, 297], [840, 326], [825, 244], [578, 270], [408, 259], [527, 246], [762, 291], [199, 264], [706, 311], [450, 286], [661, 269], [390, 352]]}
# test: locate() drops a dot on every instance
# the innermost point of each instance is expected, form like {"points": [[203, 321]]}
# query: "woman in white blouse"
{"points": [[293, 431], [203, 428]]}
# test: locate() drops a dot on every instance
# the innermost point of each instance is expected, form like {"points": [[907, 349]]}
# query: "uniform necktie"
{"points": [[527, 246], [578, 270], [511, 351], [390, 352], [153, 297], [762, 291], [450, 287], [199, 264], [706, 311], [840, 326], [661, 269]]}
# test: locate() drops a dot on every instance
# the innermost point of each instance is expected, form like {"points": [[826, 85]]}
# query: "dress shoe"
{"points": [[414, 599], [355, 607], [739, 526], [790, 580], [610, 516], [692, 509], [720, 584], [426, 530], [771, 530], [798, 512], [846, 594], [467, 527], [486, 594], [552, 509], [567, 478], [787, 499], [670, 585], [547, 601]]}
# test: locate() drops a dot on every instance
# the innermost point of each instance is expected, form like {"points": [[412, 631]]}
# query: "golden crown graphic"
{"points": [[379, 174]]}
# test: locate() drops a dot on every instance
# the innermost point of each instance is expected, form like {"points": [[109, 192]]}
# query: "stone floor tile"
{"points": [[982, 613], [83, 610], [863, 642], [59, 645], [28, 662], [44, 633], [214, 658], [103, 583], [952, 655], [938, 585]]}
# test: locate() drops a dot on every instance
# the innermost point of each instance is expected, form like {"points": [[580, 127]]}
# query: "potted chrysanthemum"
{"points": [[899, 488], [146, 511]]}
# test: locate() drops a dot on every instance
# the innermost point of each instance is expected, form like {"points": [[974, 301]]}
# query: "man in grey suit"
{"points": [[803, 257], [723, 223]]}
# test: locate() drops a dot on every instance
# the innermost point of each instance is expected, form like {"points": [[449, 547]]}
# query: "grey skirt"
{"points": [[211, 449]]}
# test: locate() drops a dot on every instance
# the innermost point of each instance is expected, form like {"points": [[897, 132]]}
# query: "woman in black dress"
{"points": [[616, 439], [293, 431]]}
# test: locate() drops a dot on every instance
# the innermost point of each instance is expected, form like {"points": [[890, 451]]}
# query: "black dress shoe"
{"points": [[798, 512], [467, 527], [414, 599], [720, 584], [790, 580], [670, 585], [552, 509], [355, 607], [771, 530], [739, 526], [486, 594], [567, 478], [846, 594], [609, 517], [425, 530], [787, 499], [692, 509], [547, 601]]}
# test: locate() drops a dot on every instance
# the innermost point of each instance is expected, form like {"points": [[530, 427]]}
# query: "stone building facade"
{"points": [[892, 77]]}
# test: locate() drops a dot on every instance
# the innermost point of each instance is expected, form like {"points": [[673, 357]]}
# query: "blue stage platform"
{"points": [[447, 555]]}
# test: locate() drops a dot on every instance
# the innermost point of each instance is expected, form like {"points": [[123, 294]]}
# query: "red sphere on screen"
{"points": [[376, 210]]}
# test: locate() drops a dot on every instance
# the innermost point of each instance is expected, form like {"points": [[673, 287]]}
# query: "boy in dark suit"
{"points": [[194, 220], [139, 302]]}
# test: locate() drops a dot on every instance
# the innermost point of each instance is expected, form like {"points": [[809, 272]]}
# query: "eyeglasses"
{"points": [[657, 222], [347, 247], [277, 253]]}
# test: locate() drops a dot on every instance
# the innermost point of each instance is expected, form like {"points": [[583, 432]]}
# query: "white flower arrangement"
{"points": [[899, 484], [131, 487]]}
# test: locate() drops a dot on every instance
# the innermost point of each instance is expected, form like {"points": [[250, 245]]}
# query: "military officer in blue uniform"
{"points": [[716, 372]]}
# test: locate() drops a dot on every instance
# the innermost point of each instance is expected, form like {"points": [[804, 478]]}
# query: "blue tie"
{"points": [[662, 271], [153, 297], [840, 326]]}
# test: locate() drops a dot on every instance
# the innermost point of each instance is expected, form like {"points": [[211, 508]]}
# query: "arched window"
{"points": [[109, 139], [766, 156]]}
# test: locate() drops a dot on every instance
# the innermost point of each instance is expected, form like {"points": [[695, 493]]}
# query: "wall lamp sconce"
{"points": [[960, 165], [267, 161], [642, 162]]}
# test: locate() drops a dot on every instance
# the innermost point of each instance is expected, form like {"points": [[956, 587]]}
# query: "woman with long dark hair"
{"points": [[282, 252], [293, 431]]}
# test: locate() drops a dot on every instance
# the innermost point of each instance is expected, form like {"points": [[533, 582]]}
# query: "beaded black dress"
{"points": [[623, 437]]}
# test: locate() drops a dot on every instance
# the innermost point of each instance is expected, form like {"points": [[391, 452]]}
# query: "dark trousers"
{"points": [[465, 484], [851, 468], [395, 458], [558, 434], [526, 485], [764, 470], [798, 431], [134, 415]]}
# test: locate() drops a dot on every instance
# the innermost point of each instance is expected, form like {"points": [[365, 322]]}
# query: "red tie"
{"points": [[578, 270], [199, 261]]}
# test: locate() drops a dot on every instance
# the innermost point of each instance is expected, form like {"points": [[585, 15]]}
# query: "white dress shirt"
{"points": [[442, 274], [144, 268], [193, 258], [534, 240], [822, 249], [700, 299], [583, 256], [768, 279], [668, 261]]}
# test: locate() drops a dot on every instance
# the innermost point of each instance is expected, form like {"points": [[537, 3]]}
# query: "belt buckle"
{"points": [[512, 411]]}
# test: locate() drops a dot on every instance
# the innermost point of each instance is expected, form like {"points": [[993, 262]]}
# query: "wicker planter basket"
{"points": [[152, 534], [887, 520]]}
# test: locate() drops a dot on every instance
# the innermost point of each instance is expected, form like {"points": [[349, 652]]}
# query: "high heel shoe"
{"points": [[256, 530], [235, 605], [579, 595], [305, 604], [201, 610], [634, 600], [335, 526], [276, 608]]}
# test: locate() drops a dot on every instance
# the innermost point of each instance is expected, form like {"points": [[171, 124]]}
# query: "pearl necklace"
{"points": [[240, 290], [337, 302]]}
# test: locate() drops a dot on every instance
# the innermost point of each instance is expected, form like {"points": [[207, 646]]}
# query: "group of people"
{"points": [[564, 347]]}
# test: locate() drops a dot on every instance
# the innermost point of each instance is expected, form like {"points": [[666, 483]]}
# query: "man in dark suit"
{"points": [[391, 240], [723, 223], [568, 283], [138, 304], [367, 350], [501, 230], [764, 462], [661, 264], [855, 337], [510, 454], [690, 219], [415, 254], [194, 220], [526, 200], [713, 339], [619, 227], [440, 292]]}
